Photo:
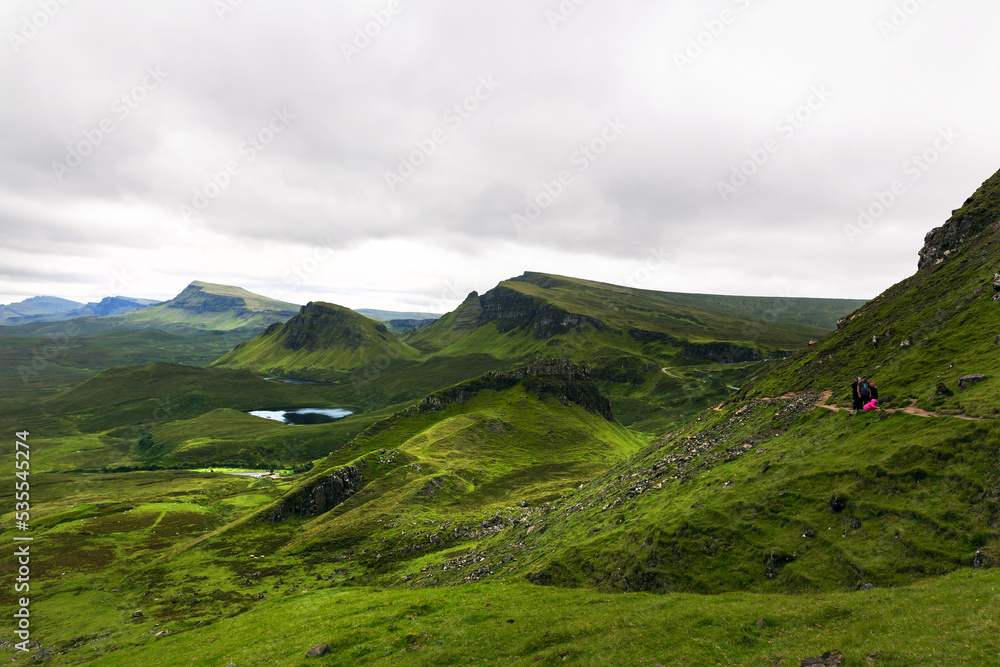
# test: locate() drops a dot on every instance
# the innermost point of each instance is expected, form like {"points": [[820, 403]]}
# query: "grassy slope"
{"points": [[381, 534], [339, 341], [772, 323], [194, 417], [934, 327], [34, 367], [254, 309], [727, 505], [941, 622]]}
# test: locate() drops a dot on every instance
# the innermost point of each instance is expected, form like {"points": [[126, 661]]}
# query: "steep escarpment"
{"points": [[318, 496], [979, 213], [510, 310], [560, 378], [208, 302]]}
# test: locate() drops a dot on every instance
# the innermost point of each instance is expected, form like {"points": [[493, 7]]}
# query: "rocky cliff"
{"points": [[511, 310], [319, 497], [980, 212], [560, 378]]}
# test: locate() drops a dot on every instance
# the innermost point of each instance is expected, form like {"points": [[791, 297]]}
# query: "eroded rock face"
{"points": [[511, 310], [721, 353], [979, 213], [508, 308], [560, 378], [323, 496]]}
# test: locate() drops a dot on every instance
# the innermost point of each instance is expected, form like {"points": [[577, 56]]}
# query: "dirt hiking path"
{"points": [[910, 409]]}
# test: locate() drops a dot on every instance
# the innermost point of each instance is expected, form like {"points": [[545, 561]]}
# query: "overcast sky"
{"points": [[401, 154]]}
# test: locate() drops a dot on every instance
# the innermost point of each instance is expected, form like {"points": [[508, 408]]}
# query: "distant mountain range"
{"points": [[54, 309], [200, 306]]}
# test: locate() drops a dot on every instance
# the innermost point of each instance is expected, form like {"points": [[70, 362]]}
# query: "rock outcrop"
{"points": [[560, 378], [722, 353], [322, 496], [510, 310], [980, 212]]}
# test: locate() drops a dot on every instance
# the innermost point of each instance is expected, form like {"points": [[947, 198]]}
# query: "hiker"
{"points": [[854, 394], [864, 393], [873, 403]]}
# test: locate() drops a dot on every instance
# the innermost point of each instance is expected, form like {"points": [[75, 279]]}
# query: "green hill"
{"points": [[547, 306], [322, 341]]}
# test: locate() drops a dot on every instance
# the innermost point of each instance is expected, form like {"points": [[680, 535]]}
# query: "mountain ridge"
{"points": [[199, 306]]}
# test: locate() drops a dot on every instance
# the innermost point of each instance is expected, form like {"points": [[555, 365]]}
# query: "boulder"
{"points": [[942, 390], [838, 502], [967, 381], [318, 650], [137, 613], [828, 659]]}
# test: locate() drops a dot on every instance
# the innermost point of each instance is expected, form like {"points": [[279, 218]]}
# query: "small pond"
{"points": [[303, 415], [294, 381]]}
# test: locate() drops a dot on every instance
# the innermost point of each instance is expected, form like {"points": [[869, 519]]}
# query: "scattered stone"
{"points": [[318, 651], [996, 282], [977, 562], [942, 390], [871, 656], [748, 640], [828, 659], [905, 343], [137, 613], [161, 633], [761, 623], [868, 587], [838, 502], [967, 381], [856, 524], [809, 533], [199, 624]]}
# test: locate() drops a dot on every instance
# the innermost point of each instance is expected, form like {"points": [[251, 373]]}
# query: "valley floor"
{"points": [[944, 621]]}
